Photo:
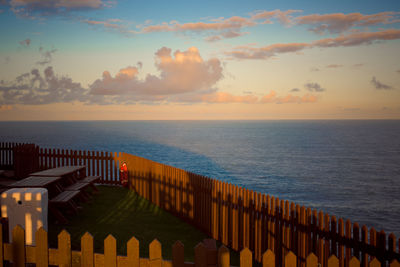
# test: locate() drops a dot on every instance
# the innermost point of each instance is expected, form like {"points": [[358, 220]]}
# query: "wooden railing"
{"points": [[238, 217], [20, 254]]}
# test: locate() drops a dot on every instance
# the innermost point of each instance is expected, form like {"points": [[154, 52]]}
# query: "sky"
{"points": [[199, 60]]}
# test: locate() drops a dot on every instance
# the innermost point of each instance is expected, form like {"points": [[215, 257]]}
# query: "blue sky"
{"points": [[199, 60]]}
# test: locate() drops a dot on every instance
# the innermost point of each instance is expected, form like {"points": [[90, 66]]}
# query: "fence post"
{"points": [[42, 248], [223, 257], [64, 249], [110, 251], [200, 256], [312, 260], [155, 254], [87, 258], [290, 260], [132, 248], [18, 246], [178, 254], [246, 258], [268, 259]]}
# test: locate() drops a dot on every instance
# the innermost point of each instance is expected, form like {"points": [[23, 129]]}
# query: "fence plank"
{"points": [[223, 257], [312, 260], [132, 248], [42, 248], [110, 251], [155, 253], [354, 262], [87, 258], [18, 246], [268, 259], [394, 263], [200, 256], [178, 254], [333, 261], [246, 258], [64, 249], [375, 263], [1, 241], [290, 260]]}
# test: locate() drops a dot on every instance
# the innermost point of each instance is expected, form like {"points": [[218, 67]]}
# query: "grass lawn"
{"points": [[122, 213]]}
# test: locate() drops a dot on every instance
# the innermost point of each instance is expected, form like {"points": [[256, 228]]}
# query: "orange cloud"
{"points": [[362, 38], [5, 107], [339, 22], [223, 97], [184, 72]]}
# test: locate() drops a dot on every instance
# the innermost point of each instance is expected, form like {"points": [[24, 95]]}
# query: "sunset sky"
{"points": [[167, 60]]}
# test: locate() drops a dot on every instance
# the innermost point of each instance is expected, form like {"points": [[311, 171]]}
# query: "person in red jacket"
{"points": [[123, 174]]}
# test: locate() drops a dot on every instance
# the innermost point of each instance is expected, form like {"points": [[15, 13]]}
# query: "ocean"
{"points": [[346, 168]]}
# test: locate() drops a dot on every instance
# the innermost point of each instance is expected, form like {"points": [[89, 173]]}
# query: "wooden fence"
{"points": [[238, 217], [20, 254]]}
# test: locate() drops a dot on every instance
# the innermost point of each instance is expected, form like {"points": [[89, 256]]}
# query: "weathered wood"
{"points": [[312, 260], [1, 241], [375, 263], [18, 246], [394, 263], [155, 257], [246, 258], [268, 259], [178, 254], [64, 249], [87, 250], [290, 260], [223, 257], [132, 248], [110, 251], [42, 248], [200, 256], [333, 261], [354, 262]]}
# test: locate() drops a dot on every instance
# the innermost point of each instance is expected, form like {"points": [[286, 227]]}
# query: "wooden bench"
{"points": [[90, 180], [79, 186], [64, 199]]}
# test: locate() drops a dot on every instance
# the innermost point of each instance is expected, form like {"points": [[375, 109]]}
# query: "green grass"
{"points": [[122, 213]]}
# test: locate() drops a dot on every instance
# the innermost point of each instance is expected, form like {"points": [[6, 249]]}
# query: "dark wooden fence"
{"points": [[238, 217]]}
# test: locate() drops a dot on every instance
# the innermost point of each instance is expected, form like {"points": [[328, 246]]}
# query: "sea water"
{"points": [[346, 168]]}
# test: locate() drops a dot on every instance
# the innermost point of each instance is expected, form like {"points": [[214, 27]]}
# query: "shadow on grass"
{"points": [[123, 213]]}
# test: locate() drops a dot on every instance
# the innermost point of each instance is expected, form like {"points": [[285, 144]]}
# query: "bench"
{"points": [[90, 180], [79, 186], [64, 199]]}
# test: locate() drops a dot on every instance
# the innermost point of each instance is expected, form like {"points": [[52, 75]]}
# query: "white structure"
{"points": [[26, 207]]}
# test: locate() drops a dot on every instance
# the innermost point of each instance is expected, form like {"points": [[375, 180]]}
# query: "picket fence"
{"points": [[238, 217], [20, 254]]}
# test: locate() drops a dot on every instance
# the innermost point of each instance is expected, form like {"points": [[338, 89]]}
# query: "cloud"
{"points": [[249, 52], [226, 35], [355, 39], [181, 73], [47, 56], [30, 8], [36, 88], [295, 90], [358, 65], [314, 87], [5, 107], [25, 42], [314, 69], [339, 22], [334, 66], [380, 86], [111, 25], [284, 17], [273, 98], [398, 71], [223, 97]]}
